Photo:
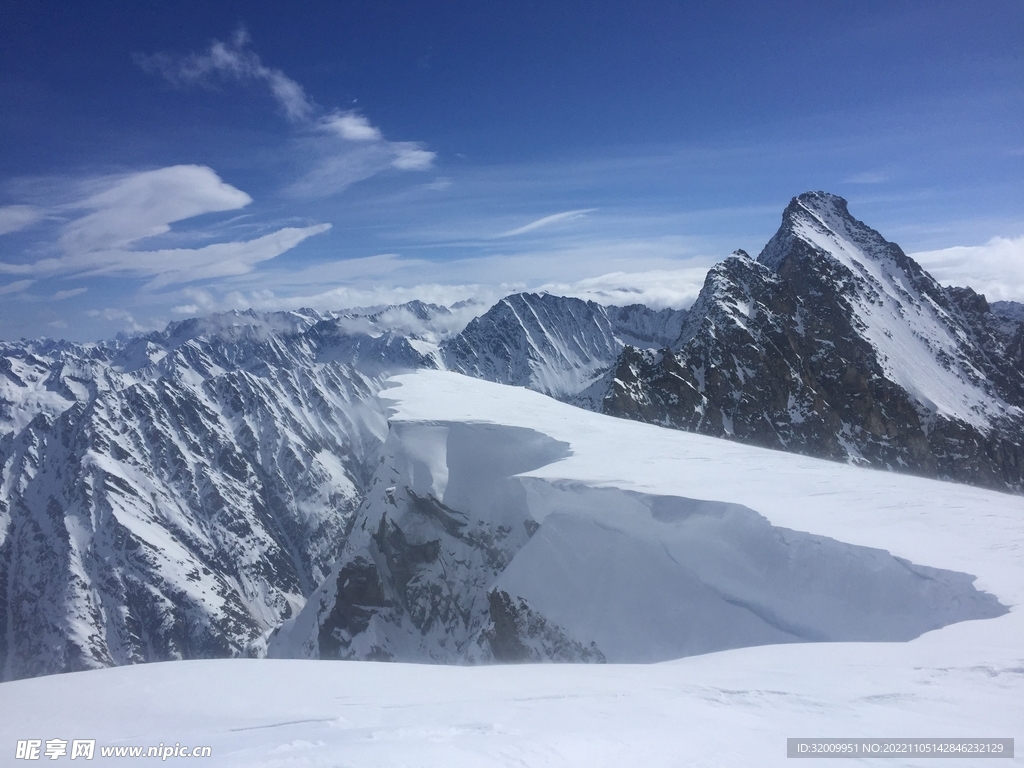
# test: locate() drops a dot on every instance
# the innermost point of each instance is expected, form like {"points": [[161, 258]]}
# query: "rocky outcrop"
{"points": [[516, 633]]}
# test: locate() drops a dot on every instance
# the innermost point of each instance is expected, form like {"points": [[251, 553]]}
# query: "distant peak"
{"points": [[741, 254]]}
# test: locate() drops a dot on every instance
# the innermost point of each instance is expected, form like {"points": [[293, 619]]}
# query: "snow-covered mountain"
{"points": [[560, 346], [499, 526], [177, 495], [834, 343]]}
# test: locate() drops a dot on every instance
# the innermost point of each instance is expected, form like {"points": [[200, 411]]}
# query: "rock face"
{"points": [[179, 494], [835, 344]]}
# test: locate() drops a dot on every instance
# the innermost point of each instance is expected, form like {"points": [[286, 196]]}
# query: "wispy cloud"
{"points": [[411, 157], [140, 205], [995, 269], [547, 221], [232, 60], [350, 126], [16, 287], [339, 148], [342, 150], [123, 319], [660, 288], [124, 211], [17, 217], [654, 272], [217, 260]]}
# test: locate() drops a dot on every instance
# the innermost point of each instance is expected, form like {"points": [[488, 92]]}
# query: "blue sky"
{"points": [[164, 159]]}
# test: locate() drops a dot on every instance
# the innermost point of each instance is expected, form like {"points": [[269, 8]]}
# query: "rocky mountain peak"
{"points": [[836, 343], [816, 227]]}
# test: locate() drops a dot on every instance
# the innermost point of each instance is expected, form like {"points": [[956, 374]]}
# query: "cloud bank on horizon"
{"points": [[236, 181]]}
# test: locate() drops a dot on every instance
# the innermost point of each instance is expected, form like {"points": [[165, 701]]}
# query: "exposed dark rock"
{"points": [[518, 634], [358, 592]]}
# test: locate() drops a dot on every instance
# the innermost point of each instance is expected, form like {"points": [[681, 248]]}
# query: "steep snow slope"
{"points": [[503, 525], [730, 708], [836, 344], [178, 494]]}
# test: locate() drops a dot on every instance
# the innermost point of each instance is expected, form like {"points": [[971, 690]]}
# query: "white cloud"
{"points": [[367, 296], [654, 272], [334, 168], [336, 165], [184, 265], [333, 165], [350, 126], [16, 287], [659, 288], [232, 60], [410, 157], [675, 288], [140, 205], [122, 317], [995, 269], [17, 217], [547, 220]]}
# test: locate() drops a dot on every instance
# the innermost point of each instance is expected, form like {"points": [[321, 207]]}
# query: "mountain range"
{"points": [[182, 494]]}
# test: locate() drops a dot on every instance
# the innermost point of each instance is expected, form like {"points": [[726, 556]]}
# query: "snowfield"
{"points": [[634, 521]]}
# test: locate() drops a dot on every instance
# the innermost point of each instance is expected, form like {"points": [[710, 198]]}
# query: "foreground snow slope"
{"points": [[722, 709], [729, 709]]}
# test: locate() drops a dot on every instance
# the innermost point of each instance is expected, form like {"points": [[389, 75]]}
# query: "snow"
{"points": [[729, 709], [121, 511], [933, 523], [733, 707], [28, 387], [909, 331]]}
